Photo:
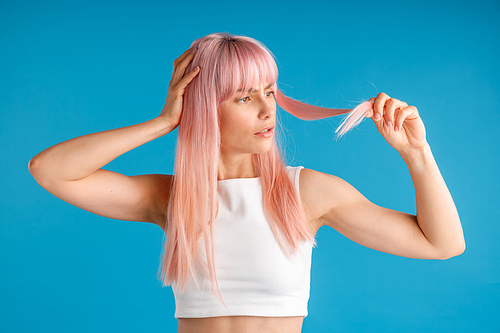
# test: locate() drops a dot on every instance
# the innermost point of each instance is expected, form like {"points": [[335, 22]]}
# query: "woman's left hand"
{"points": [[398, 122]]}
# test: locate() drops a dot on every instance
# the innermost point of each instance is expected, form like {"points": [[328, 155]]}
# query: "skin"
{"points": [[72, 170], [243, 115]]}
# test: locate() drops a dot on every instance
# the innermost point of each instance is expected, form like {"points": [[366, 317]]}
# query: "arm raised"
{"points": [[332, 201], [72, 170], [434, 233]]}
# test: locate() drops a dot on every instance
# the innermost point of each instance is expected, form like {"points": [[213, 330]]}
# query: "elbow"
{"points": [[36, 169], [33, 166], [454, 251]]}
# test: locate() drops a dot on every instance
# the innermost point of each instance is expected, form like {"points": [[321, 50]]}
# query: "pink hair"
{"points": [[229, 63]]}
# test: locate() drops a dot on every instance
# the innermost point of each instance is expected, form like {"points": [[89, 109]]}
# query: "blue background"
{"points": [[70, 68]]}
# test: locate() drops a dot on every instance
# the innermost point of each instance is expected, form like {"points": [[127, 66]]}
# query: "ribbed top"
{"points": [[255, 276]]}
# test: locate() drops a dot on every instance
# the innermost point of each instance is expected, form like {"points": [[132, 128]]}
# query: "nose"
{"points": [[267, 107]]}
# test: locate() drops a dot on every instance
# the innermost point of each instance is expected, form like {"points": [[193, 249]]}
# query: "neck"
{"points": [[236, 166]]}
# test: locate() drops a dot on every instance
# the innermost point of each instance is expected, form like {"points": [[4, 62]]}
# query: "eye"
{"points": [[244, 99], [269, 93]]}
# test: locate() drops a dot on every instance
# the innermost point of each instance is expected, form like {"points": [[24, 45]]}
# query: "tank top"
{"points": [[255, 276]]}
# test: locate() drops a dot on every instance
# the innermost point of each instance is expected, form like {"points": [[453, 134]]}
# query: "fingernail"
{"points": [[377, 116], [368, 114], [388, 123], [396, 128]]}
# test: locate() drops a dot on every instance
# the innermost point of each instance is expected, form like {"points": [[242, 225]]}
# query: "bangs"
{"points": [[243, 65]]}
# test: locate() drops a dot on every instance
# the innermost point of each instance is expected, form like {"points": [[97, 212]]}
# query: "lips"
{"points": [[270, 128]]}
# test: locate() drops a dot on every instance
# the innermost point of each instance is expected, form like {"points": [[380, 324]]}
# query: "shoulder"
{"points": [[312, 181], [159, 187], [321, 192], [161, 183]]}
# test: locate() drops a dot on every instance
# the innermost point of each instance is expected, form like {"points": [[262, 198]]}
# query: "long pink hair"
{"points": [[229, 63]]}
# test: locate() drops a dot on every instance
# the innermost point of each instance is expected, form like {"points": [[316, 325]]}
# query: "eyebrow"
{"points": [[252, 90]]}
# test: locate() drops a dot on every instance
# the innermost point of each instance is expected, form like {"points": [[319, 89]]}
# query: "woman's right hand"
{"points": [[173, 106]]}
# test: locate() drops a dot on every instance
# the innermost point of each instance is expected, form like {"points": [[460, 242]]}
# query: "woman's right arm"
{"points": [[71, 170]]}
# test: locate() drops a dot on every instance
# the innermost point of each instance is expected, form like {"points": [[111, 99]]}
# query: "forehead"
{"points": [[243, 68]]}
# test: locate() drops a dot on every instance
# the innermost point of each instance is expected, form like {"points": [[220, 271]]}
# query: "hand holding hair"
{"points": [[172, 109], [399, 123]]}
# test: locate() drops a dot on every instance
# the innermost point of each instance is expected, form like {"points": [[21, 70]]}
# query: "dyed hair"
{"points": [[229, 63]]}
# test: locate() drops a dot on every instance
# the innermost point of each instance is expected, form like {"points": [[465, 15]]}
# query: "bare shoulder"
{"points": [[140, 198], [321, 192], [160, 187]]}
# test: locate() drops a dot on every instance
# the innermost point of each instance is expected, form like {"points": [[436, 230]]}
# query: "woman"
{"points": [[240, 225]]}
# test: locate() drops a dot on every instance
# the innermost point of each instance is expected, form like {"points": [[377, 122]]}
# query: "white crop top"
{"points": [[255, 276]]}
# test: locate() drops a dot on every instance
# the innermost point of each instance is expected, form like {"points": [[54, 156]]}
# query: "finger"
{"points": [[188, 78], [183, 56], [378, 106], [180, 65], [403, 114], [369, 113], [179, 59], [391, 106]]}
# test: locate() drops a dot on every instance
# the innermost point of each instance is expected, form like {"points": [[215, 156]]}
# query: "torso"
{"points": [[241, 324], [245, 324], [254, 324]]}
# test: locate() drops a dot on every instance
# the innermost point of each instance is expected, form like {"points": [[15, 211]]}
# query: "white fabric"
{"points": [[255, 276]]}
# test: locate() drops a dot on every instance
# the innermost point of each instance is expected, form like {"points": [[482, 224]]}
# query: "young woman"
{"points": [[239, 224]]}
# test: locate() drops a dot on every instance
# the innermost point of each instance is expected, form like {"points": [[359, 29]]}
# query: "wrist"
{"points": [[162, 125], [416, 155]]}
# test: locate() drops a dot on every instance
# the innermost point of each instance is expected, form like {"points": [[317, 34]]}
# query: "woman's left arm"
{"points": [[435, 232], [437, 216]]}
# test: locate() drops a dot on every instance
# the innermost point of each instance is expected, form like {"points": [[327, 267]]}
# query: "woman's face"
{"points": [[243, 116]]}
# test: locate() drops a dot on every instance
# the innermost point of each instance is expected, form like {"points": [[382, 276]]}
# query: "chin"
{"points": [[262, 150]]}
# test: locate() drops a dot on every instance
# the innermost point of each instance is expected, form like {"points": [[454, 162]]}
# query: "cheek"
{"points": [[234, 129], [230, 128], [236, 123]]}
